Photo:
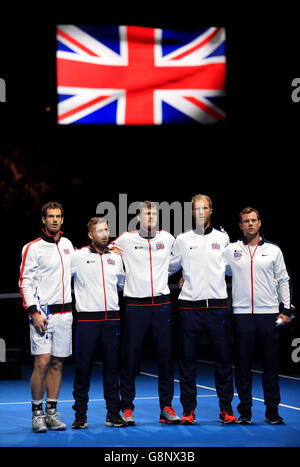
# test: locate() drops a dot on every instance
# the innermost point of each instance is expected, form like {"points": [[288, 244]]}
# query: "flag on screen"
{"points": [[132, 75]]}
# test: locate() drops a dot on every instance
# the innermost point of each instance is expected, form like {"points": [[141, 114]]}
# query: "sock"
{"points": [[37, 405], [51, 404]]}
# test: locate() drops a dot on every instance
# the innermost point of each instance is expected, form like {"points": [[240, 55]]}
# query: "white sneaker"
{"points": [[128, 417], [52, 420], [38, 422], [168, 415]]}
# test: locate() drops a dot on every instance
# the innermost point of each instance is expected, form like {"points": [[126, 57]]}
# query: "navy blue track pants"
{"points": [[139, 321], [215, 323], [91, 337], [250, 329]]}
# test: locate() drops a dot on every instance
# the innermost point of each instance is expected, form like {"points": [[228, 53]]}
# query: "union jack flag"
{"points": [[133, 75]]}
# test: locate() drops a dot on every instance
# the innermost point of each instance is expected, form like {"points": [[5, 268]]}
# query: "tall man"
{"points": [[45, 285], [260, 283], [203, 305], [146, 255], [97, 273]]}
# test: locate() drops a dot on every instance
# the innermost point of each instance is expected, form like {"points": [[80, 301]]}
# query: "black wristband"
{"points": [[32, 310]]}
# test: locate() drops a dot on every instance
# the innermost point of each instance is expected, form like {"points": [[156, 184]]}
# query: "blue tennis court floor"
{"points": [[15, 415]]}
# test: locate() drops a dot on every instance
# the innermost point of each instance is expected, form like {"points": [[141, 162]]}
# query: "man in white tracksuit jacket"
{"points": [[146, 256], [45, 286], [97, 273], [260, 287], [203, 305]]}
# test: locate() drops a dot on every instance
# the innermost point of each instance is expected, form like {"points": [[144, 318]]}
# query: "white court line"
{"points": [[100, 400], [253, 371], [214, 389], [154, 397]]}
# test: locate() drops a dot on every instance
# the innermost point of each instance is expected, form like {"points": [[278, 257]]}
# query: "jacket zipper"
{"points": [[252, 288], [252, 285], [151, 274], [104, 291], [63, 281]]}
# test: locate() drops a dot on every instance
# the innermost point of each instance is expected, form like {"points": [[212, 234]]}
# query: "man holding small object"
{"points": [[45, 286], [260, 287]]}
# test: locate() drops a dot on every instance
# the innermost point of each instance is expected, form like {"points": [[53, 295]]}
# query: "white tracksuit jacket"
{"points": [[203, 267], [259, 284], [96, 277], [146, 260], [45, 274]]}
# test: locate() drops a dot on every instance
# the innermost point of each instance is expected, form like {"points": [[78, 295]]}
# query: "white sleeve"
{"points": [[119, 242], [283, 281], [121, 274], [73, 264], [175, 260], [225, 256], [27, 278]]}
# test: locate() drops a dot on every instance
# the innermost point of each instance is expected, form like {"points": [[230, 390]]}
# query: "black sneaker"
{"points": [[115, 419], [80, 421], [245, 419], [273, 417]]}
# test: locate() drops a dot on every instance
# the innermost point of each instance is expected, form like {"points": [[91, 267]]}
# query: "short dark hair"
{"points": [[147, 205], [247, 210], [52, 205], [95, 220]]}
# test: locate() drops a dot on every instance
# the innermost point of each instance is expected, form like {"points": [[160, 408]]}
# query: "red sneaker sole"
{"points": [[176, 422]]}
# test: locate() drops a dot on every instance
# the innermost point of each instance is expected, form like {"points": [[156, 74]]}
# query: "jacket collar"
{"points": [[50, 238], [147, 233], [207, 231], [93, 250], [261, 242]]}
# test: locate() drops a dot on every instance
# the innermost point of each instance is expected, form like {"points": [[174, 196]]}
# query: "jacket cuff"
{"points": [[32, 310], [286, 312]]}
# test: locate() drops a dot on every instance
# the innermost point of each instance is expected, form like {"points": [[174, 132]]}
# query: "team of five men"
{"points": [[140, 263]]}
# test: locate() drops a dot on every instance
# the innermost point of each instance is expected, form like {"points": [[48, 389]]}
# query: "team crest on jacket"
{"points": [[215, 246], [160, 246], [66, 251], [111, 261], [237, 254]]}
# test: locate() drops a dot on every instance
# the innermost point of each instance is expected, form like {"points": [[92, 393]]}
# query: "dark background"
{"points": [[251, 159]]}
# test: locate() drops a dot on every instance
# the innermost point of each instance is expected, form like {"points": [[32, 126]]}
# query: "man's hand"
{"points": [[285, 319], [116, 250], [40, 322], [181, 282]]}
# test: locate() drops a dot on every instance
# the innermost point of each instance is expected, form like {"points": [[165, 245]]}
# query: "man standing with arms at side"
{"points": [[97, 272], [260, 283], [45, 285], [203, 306], [146, 256]]}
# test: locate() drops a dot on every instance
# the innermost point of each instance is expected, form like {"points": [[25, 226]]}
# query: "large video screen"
{"points": [[134, 75]]}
